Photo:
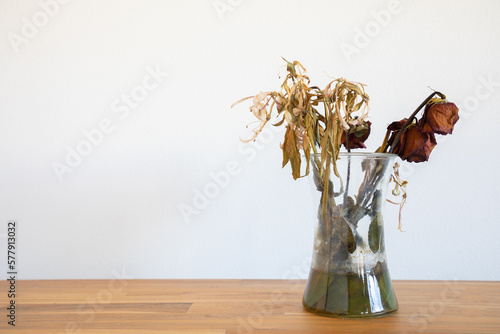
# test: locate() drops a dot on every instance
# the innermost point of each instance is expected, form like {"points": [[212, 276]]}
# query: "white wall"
{"points": [[119, 208]]}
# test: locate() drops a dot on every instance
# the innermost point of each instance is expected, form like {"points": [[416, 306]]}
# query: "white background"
{"points": [[119, 210]]}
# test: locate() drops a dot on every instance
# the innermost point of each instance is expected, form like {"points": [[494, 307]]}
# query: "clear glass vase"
{"points": [[349, 277]]}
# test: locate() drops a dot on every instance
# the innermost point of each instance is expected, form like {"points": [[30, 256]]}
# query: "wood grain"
{"points": [[237, 307]]}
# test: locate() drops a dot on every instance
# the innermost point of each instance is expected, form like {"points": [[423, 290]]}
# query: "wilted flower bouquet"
{"points": [[324, 120], [349, 246]]}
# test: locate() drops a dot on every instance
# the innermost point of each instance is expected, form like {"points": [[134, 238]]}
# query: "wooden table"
{"points": [[237, 306]]}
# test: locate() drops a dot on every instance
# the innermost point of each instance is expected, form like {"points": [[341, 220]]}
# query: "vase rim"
{"points": [[371, 155]]}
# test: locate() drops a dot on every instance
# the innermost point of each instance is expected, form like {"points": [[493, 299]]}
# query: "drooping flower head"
{"points": [[439, 117], [414, 145], [357, 135], [412, 139]]}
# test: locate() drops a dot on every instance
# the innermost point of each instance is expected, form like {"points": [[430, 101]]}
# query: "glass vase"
{"points": [[349, 277]]}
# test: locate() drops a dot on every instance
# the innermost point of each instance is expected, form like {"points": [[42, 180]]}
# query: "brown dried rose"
{"points": [[415, 145], [439, 118], [357, 135]]}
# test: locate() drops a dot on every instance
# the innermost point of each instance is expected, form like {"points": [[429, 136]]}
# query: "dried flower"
{"points": [[259, 108], [439, 118], [357, 135], [415, 145], [308, 129]]}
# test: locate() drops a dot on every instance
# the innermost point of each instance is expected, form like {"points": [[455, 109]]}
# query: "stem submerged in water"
{"points": [[349, 276]]}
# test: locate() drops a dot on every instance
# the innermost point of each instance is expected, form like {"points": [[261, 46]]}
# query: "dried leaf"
{"points": [[306, 146], [291, 152], [374, 233], [344, 232]]}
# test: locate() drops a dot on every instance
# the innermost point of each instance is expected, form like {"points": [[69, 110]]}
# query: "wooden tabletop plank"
{"points": [[238, 306]]}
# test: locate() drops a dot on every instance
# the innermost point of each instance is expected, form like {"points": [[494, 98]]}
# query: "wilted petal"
{"points": [[289, 118], [261, 114], [259, 98], [280, 102], [395, 126]]}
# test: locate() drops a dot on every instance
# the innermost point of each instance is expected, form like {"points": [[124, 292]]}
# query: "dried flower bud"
{"points": [[357, 135], [439, 118]]}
